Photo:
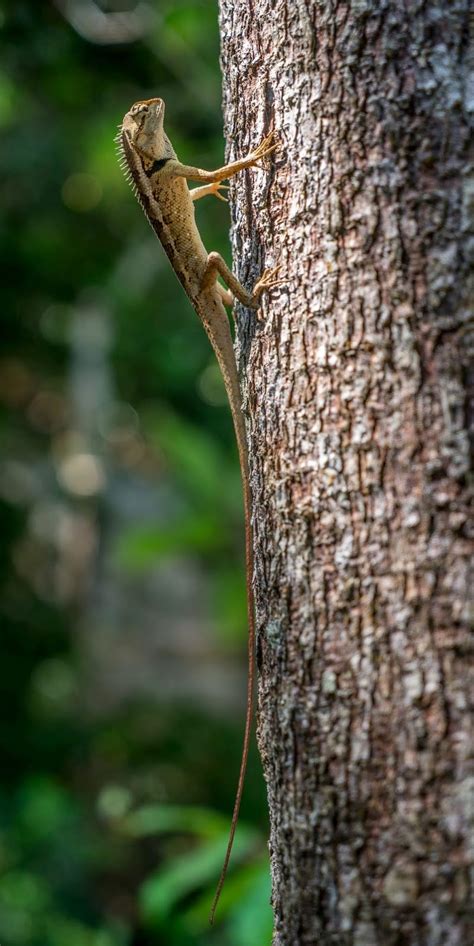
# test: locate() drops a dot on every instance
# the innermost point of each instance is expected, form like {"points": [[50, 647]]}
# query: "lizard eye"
{"points": [[138, 113], [139, 110]]}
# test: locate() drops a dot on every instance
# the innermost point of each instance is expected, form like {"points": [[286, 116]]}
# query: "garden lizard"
{"points": [[160, 183]]}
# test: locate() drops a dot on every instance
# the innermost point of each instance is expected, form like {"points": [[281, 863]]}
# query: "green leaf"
{"points": [[185, 874], [197, 459], [230, 601], [251, 918], [142, 547], [160, 819], [244, 905]]}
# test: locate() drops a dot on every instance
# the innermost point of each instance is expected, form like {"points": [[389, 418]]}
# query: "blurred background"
{"points": [[122, 603]]}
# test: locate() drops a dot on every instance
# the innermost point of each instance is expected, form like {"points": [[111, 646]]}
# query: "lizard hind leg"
{"points": [[216, 266]]}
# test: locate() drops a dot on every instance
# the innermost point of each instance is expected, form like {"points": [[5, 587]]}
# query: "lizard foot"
{"points": [[265, 147], [216, 190], [268, 280]]}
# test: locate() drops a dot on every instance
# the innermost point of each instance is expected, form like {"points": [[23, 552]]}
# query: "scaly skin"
{"points": [[160, 183]]}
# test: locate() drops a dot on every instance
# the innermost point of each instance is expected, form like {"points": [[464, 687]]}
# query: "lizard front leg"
{"points": [[174, 168], [215, 266], [215, 188]]}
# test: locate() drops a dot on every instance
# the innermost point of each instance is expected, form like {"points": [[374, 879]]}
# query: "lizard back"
{"points": [[169, 209]]}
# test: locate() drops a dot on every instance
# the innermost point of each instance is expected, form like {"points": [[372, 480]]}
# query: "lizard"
{"points": [[160, 180]]}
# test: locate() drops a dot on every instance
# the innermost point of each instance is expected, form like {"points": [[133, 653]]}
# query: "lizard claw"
{"points": [[266, 146], [268, 280], [216, 188]]}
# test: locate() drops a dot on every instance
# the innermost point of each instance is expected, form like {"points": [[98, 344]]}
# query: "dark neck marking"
{"points": [[156, 166]]}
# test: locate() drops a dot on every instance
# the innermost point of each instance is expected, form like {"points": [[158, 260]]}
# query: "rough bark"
{"points": [[355, 386]]}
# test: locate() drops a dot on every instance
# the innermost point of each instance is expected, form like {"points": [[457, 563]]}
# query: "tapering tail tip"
{"points": [[222, 878]]}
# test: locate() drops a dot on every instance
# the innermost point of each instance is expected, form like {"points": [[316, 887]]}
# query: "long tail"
{"points": [[251, 653]]}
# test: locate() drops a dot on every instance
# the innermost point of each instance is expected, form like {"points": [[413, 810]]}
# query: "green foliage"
{"points": [[168, 897], [104, 364], [197, 459], [198, 463], [42, 826], [211, 485], [145, 546]]}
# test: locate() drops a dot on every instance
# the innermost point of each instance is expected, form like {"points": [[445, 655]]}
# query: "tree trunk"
{"points": [[355, 393]]}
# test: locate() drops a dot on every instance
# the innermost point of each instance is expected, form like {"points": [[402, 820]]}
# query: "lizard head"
{"points": [[143, 126]]}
